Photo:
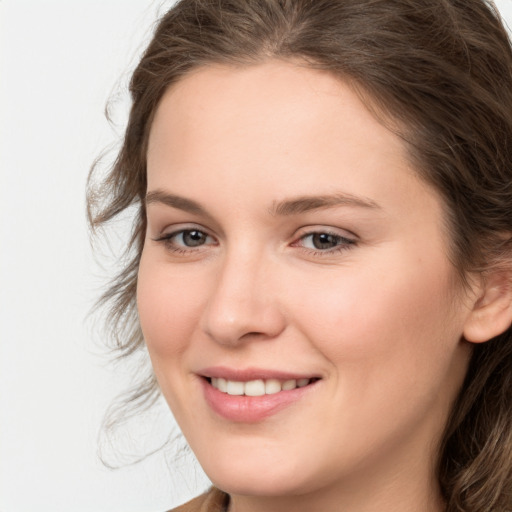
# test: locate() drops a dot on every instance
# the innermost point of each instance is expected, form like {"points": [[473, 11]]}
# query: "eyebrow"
{"points": [[294, 206], [305, 204], [179, 202]]}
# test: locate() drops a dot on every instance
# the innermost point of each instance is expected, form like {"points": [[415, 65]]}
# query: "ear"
{"points": [[492, 309]]}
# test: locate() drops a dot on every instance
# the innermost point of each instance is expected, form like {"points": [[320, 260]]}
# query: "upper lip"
{"points": [[247, 374]]}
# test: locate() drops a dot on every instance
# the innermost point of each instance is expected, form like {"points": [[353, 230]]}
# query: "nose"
{"points": [[243, 303]]}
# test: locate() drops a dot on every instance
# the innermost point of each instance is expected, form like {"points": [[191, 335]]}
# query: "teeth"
{"points": [[222, 385], [289, 384], [235, 388], [254, 388], [272, 386], [257, 387]]}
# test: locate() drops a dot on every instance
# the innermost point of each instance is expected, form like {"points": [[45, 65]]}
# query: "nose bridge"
{"points": [[243, 303]]}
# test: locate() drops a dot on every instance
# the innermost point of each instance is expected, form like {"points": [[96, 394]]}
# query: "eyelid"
{"points": [[317, 229], [347, 239], [345, 242], [166, 237], [173, 229]]}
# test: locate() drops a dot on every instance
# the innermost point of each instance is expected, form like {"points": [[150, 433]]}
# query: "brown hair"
{"points": [[439, 69]]}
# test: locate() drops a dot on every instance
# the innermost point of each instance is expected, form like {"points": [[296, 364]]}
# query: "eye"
{"points": [[191, 238], [323, 241], [186, 239]]}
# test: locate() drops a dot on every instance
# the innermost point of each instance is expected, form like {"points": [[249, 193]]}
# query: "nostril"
{"points": [[253, 334]]}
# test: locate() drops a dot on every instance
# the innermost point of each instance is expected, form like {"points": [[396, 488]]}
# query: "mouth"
{"points": [[253, 396], [258, 387]]}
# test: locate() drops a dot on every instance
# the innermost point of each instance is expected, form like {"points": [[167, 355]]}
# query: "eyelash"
{"points": [[343, 243], [167, 240]]}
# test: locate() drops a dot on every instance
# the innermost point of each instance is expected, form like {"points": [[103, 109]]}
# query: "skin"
{"points": [[379, 319]]}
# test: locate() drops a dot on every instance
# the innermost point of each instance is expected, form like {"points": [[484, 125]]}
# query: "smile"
{"points": [[257, 387], [253, 395]]}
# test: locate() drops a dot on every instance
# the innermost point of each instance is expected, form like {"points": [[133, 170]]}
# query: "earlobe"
{"points": [[492, 311]]}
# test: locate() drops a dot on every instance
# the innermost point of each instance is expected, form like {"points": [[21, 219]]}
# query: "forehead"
{"points": [[274, 127], [260, 96]]}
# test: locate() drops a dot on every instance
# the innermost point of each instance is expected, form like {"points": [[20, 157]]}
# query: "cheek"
{"points": [[395, 320], [168, 310], [391, 340]]}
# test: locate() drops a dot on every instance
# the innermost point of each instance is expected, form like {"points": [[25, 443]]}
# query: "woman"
{"points": [[322, 256]]}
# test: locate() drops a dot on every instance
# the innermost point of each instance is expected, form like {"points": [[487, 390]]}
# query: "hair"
{"points": [[439, 73]]}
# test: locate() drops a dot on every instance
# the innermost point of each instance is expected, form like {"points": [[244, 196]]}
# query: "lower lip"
{"points": [[251, 409]]}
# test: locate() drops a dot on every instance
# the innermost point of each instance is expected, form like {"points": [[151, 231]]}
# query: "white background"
{"points": [[60, 61]]}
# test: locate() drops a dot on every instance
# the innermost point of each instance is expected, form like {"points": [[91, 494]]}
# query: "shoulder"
{"points": [[212, 501]]}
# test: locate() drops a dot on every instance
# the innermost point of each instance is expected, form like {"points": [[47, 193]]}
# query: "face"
{"points": [[295, 293]]}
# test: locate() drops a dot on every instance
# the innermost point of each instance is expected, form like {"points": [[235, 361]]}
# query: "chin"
{"points": [[251, 474], [249, 482]]}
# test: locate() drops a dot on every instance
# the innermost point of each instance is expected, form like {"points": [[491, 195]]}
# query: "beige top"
{"points": [[212, 501]]}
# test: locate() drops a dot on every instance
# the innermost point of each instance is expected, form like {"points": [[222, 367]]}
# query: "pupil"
{"points": [[324, 241], [193, 238]]}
